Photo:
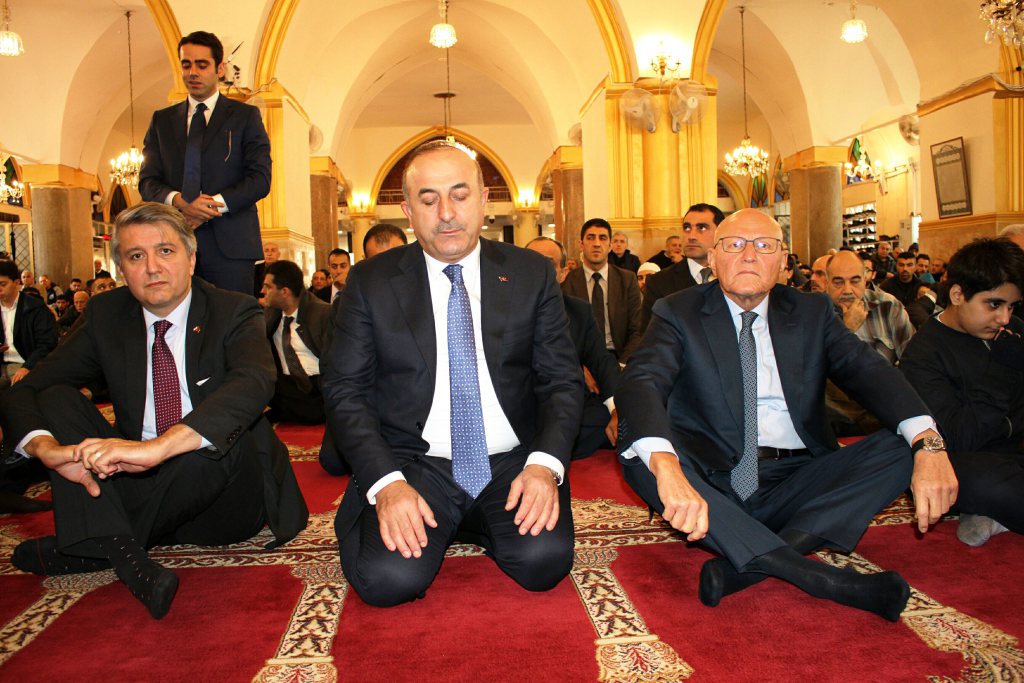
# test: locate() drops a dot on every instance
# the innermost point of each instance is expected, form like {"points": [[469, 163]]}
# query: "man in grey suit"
{"points": [[209, 157], [455, 395], [613, 292], [722, 428]]}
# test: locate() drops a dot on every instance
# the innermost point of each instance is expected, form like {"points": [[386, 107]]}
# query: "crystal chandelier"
{"points": [[10, 41], [443, 35], [854, 30], [12, 191], [125, 169], [747, 159], [863, 170], [1005, 21]]}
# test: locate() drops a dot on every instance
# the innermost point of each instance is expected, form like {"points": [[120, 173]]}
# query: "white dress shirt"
{"points": [[588, 274], [695, 269], [175, 338], [210, 103], [774, 423], [11, 355], [437, 430], [310, 363]]}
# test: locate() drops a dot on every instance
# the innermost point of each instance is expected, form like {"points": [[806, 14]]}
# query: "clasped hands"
{"points": [[199, 210], [404, 515]]}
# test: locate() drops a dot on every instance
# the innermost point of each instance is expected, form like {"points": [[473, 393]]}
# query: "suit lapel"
{"points": [[220, 115], [788, 343], [194, 338], [179, 127], [135, 353], [722, 340], [412, 292], [496, 287]]}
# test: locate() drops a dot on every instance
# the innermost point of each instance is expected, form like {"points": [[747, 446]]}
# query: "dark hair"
{"points": [[339, 252], [599, 222], [719, 216], [926, 257], [985, 264], [76, 279], [286, 274], [542, 238], [433, 146], [382, 234], [904, 255], [9, 270], [206, 39], [103, 274]]}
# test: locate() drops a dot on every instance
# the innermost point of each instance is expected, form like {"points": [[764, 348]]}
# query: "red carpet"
{"points": [[629, 611]]}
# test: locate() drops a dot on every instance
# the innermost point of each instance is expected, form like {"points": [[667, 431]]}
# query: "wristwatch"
{"points": [[932, 444]]}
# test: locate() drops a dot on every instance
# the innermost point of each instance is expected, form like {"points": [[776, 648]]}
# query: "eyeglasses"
{"points": [[762, 245]]}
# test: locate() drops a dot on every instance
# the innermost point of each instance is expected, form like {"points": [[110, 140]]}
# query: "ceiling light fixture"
{"points": [[854, 30], [446, 97], [443, 35], [663, 63], [10, 41], [125, 169], [747, 159], [1005, 21]]}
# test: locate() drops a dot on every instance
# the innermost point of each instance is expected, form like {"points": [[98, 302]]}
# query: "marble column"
{"points": [[323, 194], [527, 226], [567, 184], [816, 207], [361, 224], [62, 232]]}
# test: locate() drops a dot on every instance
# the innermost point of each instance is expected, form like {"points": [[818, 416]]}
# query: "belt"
{"points": [[772, 453]]}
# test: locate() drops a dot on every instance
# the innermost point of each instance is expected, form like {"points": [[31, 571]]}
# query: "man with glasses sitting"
{"points": [[722, 428]]}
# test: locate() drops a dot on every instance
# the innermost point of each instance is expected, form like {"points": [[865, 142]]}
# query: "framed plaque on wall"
{"points": [[949, 164]]}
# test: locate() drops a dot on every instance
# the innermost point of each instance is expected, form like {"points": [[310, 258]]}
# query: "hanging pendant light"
{"points": [[125, 169], [443, 35], [747, 159], [854, 30]]}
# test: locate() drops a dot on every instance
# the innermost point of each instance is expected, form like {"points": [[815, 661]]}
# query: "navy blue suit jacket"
{"points": [[235, 165]]}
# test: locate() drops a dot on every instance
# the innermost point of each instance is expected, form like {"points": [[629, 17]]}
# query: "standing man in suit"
{"points": [[722, 429], [191, 459], [455, 395], [339, 261], [613, 292], [209, 157], [699, 223], [600, 423]]}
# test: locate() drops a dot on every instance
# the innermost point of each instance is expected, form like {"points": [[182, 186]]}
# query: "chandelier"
{"points": [[863, 170], [125, 169], [663, 63], [10, 41], [747, 159], [854, 30], [12, 191], [446, 97], [443, 35], [1005, 21]]}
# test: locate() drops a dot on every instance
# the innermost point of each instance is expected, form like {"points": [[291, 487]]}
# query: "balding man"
{"points": [[722, 428], [818, 280]]}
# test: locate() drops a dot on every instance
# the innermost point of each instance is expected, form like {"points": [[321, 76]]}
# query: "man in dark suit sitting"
{"points": [[613, 292], [191, 459], [723, 428], [455, 395], [699, 224], [209, 157], [299, 328], [600, 423]]}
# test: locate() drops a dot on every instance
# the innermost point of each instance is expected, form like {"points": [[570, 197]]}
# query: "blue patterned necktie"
{"points": [[471, 466], [191, 182], [744, 476]]}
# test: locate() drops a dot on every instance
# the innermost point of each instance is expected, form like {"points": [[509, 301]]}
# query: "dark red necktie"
{"points": [[166, 391]]}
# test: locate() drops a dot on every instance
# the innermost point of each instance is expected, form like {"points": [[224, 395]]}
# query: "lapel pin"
{"points": [[502, 278], [197, 329]]}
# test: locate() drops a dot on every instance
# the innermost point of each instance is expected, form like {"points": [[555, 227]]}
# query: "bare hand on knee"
{"points": [[402, 513], [536, 493]]}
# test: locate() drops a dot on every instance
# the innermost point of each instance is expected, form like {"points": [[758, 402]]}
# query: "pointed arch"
{"points": [[620, 60], [170, 34], [274, 31]]}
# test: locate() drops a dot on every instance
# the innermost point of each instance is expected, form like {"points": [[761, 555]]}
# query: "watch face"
{"points": [[934, 443]]}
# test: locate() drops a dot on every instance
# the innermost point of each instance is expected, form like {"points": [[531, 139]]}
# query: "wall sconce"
{"points": [[663, 62], [526, 199], [361, 202]]}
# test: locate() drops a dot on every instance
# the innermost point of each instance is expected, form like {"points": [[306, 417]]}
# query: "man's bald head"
{"points": [[819, 274], [847, 278]]}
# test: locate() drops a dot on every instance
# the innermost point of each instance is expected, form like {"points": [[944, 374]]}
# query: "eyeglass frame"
{"points": [[721, 240]]}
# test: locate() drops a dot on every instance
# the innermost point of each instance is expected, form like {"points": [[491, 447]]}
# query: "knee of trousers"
{"points": [[58, 396], [389, 579], [539, 563]]}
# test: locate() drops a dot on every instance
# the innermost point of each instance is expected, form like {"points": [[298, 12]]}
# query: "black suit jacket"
{"points": [[624, 316], [684, 384], [235, 165], [380, 384], [675, 278], [35, 329], [312, 324], [589, 344], [230, 377]]}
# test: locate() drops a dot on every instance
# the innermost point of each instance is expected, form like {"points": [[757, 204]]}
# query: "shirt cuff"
{"points": [[220, 198], [371, 495], [549, 461], [610, 404], [647, 446], [169, 199], [912, 426], [20, 448]]}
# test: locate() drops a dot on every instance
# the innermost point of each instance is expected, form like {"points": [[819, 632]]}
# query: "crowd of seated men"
{"points": [[457, 378]]}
